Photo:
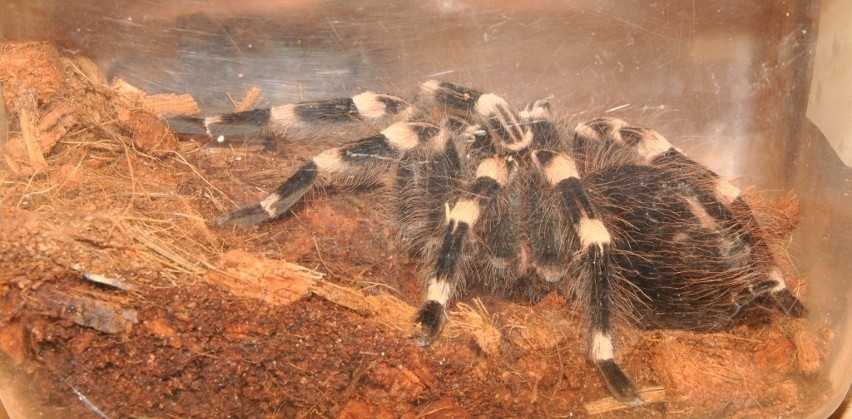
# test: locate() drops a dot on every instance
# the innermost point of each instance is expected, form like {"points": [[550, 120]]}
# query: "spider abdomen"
{"points": [[680, 267]]}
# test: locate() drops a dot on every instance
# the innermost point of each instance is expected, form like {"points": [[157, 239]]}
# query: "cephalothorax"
{"points": [[611, 215]]}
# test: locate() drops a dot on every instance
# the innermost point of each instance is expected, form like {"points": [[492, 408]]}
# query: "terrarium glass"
{"points": [[748, 89]]}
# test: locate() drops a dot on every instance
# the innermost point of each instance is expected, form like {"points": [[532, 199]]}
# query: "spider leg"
{"points": [[491, 177], [546, 228], [719, 198], [289, 118], [429, 177], [355, 163], [594, 255], [489, 108]]}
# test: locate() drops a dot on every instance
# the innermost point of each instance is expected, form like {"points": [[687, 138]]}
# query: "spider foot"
{"points": [[431, 317], [276, 203], [236, 128], [244, 217], [791, 305], [186, 124], [618, 383]]}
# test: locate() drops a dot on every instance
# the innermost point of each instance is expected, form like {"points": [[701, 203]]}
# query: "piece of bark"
{"points": [[101, 315]]}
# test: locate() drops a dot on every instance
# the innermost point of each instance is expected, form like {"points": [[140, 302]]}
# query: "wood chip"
{"points": [[610, 404], [89, 69], [170, 104], [54, 124], [131, 98], [28, 113], [101, 315], [124, 88], [250, 101], [386, 309], [111, 281], [274, 282]]}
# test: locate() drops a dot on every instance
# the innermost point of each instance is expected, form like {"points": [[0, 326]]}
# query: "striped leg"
{"points": [[359, 162], [491, 177], [493, 111], [546, 228], [286, 119], [426, 179], [719, 198], [595, 261]]}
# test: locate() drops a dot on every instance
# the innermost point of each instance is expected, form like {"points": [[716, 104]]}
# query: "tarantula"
{"points": [[610, 214]]}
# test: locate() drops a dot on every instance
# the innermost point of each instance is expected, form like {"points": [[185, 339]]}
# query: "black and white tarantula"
{"points": [[611, 215]]}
